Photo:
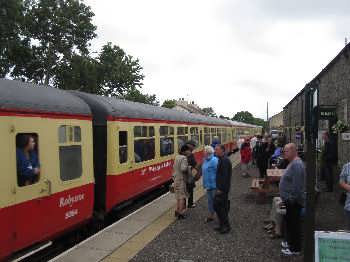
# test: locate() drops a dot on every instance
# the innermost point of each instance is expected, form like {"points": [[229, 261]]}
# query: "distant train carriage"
{"points": [[37, 204]]}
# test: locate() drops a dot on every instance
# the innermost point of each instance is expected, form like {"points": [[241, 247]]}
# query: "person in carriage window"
{"points": [[28, 166]]}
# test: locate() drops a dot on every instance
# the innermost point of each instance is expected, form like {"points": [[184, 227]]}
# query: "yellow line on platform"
{"points": [[135, 244]]}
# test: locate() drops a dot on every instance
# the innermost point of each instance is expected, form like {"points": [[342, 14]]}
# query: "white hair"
{"points": [[209, 150]]}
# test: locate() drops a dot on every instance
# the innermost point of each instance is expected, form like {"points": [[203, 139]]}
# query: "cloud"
{"points": [[231, 55]]}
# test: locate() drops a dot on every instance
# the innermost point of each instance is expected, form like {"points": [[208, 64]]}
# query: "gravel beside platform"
{"points": [[194, 240]]}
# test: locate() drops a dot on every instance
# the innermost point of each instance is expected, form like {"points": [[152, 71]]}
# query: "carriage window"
{"points": [[166, 140], [144, 143], [206, 136], [201, 137], [70, 155], [77, 134], [123, 147], [27, 158], [182, 136], [62, 136], [195, 135]]}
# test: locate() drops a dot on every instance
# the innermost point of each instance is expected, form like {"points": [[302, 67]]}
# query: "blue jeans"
{"points": [[210, 197]]}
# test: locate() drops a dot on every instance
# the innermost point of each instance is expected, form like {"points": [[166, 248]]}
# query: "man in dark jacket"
{"points": [[223, 184], [328, 160], [190, 185]]}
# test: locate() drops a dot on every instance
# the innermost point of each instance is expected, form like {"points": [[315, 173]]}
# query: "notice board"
{"points": [[332, 246]]}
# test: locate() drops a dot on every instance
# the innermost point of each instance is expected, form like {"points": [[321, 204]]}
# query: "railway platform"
{"points": [[153, 234]]}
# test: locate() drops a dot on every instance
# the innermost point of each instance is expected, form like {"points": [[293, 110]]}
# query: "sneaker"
{"points": [[288, 252], [284, 244]]}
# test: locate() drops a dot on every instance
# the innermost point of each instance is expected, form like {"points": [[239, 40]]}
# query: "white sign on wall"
{"points": [[345, 136]]}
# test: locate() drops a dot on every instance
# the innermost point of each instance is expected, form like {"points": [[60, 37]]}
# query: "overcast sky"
{"points": [[232, 55]]}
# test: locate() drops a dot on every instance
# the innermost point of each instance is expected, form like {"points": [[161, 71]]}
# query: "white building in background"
{"points": [[191, 107]]}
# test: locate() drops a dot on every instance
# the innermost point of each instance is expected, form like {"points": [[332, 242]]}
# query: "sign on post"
{"points": [[332, 246]]}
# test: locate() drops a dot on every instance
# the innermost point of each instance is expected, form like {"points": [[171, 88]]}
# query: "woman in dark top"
{"points": [[28, 167]]}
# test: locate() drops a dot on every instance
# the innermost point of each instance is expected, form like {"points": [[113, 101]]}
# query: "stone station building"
{"points": [[333, 84]]}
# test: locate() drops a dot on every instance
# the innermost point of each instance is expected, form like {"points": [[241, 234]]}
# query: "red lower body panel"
{"points": [[27, 223]]}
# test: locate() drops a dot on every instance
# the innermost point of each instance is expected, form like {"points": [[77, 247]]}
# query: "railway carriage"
{"points": [[95, 153], [135, 145], [61, 196]]}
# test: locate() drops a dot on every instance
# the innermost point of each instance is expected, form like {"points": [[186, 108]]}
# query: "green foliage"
{"points": [[47, 41], [135, 95], [11, 20], [224, 117], [169, 103], [209, 111], [57, 30], [247, 117], [120, 72]]}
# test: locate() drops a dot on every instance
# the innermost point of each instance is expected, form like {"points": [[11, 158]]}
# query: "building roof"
{"points": [[344, 51], [23, 97]]}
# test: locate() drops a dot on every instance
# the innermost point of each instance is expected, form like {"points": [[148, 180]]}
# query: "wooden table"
{"points": [[274, 175]]}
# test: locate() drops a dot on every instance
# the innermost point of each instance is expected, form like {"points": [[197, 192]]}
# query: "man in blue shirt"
{"points": [[28, 167]]}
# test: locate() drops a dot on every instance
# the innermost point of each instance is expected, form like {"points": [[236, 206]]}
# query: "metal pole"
{"points": [[311, 132]]}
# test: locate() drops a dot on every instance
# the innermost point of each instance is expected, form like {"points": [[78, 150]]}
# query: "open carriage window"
{"points": [[123, 147], [27, 158]]}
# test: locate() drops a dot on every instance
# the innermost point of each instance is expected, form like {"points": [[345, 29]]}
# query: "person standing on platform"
{"points": [[215, 142], [344, 182], [190, 185], [181, 172], [209, 168], [223, 184], [259, 151], [246, 157], [292, 191], [328, 161]]}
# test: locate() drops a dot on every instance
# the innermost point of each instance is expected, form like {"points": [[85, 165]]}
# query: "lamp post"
{"points": [[311, 130]]}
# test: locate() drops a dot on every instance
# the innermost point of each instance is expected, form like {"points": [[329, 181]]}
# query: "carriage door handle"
{"points": [[48, 187]]}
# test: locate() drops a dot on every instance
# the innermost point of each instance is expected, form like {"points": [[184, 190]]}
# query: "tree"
{"points": [[135, 95], [247, 117], [80, 73], [55, 31], [209, 111], [11, 19], [169, 103], [224, 117], [244, 116], [119, 72]]}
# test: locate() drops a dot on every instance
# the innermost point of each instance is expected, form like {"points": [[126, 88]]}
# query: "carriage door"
{"points": [[31, 188]]}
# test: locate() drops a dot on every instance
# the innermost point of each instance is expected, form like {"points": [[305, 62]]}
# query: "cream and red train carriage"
{"points": [[94, 152], [61, 195], [135, 145]]}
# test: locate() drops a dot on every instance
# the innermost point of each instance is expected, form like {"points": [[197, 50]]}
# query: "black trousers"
{"points": [[293, 225], [222, 207], [327, 175], [189, 188]]}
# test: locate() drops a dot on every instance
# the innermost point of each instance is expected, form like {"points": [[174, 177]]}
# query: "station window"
{"points": [[123, 147], [27, 158], [166, 140], [182, 136], [195, 135], [70, 156], [144, 143], [206, 136]]}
